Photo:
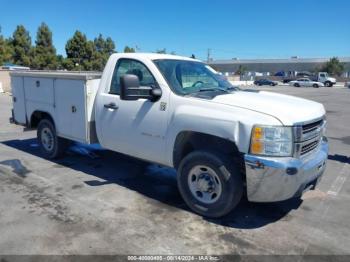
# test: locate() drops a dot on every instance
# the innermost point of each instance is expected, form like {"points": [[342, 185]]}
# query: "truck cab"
{"points": [[178, 112], [324, 78]]}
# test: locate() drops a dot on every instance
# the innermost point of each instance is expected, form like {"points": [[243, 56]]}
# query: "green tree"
{"points": [[60, 62], [241, 70], [128, 49], [6, 50], [44, 51], [22, 45], [80, 52], [103, 48], [333, 67], [68, 64]]}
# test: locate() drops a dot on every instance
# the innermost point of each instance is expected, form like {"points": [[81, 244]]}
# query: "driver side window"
{"points": [[129, 66]]}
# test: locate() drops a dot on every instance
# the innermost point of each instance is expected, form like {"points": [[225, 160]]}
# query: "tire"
{"points": [[225, 179], [296, 85], [50, 144], [315, 85], [328, 84]]}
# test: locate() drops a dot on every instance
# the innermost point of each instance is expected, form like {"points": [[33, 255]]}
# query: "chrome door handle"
{"points": [[111, 106]]}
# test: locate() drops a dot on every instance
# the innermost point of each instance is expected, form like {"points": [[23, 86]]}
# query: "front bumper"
{"points": [[271, 179]]}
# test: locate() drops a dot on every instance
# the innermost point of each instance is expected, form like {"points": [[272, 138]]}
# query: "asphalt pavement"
{"points": [[107, 203]]}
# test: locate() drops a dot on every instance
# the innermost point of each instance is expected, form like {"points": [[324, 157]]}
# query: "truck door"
{"points": [[137, 127], [322, 77]]}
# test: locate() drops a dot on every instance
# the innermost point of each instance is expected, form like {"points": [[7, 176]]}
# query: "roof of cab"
{"points": [[155, 56]]}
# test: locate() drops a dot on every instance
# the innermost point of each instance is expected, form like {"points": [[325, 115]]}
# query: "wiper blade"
{"points": [[212, 89], [233, 88]]}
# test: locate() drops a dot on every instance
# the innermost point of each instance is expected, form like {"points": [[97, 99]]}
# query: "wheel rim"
{"points": [[47, 139], [204, 184]]}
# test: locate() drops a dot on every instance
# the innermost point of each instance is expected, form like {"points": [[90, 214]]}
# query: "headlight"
{"points": [[324, 127], [271, 141]]}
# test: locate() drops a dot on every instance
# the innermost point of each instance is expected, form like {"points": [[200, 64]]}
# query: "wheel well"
{"points": [[37, 116], [188, 141]]}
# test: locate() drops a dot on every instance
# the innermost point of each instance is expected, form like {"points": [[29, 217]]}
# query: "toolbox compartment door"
{"points": [[70, 96], [19, 109], [39, 90]]}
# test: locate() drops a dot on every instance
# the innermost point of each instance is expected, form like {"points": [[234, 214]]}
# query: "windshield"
{"points": [[187, 77]]}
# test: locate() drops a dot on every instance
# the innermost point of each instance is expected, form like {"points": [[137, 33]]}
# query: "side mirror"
{"points": [[130, 89]]}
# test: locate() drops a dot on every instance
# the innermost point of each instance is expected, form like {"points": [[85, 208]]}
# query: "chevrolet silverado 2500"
{"points": [[177, 112]]}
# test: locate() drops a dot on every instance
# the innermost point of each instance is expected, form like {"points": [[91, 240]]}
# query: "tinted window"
{"points": [[128, 66], [186, 77]]}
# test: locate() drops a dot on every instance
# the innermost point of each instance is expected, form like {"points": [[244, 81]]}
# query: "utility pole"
{"points": [[208, 55]]}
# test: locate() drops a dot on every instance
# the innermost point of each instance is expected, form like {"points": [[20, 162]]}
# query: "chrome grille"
{"points": [[308, 137], [312, 126], [311, 130], [309, 147]]}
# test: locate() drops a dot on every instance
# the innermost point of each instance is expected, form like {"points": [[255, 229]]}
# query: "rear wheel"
{"points": [[209, 183], [51, 145], [296, 85]]}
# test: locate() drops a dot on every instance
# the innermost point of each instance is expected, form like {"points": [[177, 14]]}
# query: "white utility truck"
{"points": [[178, 112], [324, 78]]}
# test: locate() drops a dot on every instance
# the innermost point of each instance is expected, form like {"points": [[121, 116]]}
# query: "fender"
{"points": [[223, 121]]}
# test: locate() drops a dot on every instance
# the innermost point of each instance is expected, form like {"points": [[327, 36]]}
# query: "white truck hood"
{"points": [[332, 79], [287, 109]]}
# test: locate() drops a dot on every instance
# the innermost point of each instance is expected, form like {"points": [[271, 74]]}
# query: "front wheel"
{"points": [[51, 145], [315, 85], [209, 183], [328, 84], [296, 85]]}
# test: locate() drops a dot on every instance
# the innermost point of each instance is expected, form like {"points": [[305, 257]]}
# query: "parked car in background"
{"points": [[264, 82], [306, 82]]}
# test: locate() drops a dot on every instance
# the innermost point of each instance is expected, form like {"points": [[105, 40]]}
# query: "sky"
{"points": [[230, 29]]}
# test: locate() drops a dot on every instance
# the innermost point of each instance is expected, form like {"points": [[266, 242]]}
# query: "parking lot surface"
{"points": [[100, 202]]}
